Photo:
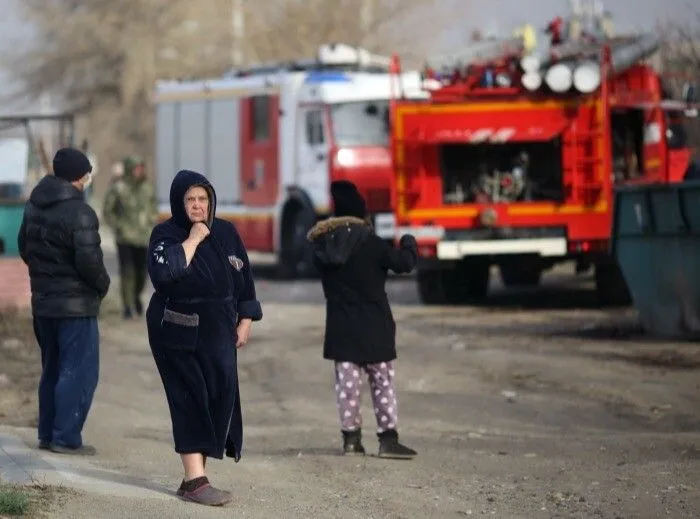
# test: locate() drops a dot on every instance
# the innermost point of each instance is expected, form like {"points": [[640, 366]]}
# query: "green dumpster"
{"points": [[656, 241], [11, 212]]}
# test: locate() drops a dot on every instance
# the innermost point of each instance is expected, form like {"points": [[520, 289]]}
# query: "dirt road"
{"points": [[516, 413]]}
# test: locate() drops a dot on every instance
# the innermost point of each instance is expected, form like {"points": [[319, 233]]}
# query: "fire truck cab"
{"points": [[273, 137], [500, 168]]}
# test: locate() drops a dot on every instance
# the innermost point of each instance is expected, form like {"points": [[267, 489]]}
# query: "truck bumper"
{"points": [[457, 249]]}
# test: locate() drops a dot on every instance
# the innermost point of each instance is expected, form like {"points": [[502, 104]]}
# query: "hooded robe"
{"points": [[192, 320]]}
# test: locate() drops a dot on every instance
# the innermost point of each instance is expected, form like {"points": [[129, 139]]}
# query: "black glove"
{"points": [[407, 241]]}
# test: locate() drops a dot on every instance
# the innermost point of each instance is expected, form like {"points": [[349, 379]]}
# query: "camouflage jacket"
{"points": [[130, 210]]}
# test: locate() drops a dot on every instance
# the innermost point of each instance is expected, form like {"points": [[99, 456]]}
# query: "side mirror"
{"points": [[690, 93], [690, 97], [371, 109]]}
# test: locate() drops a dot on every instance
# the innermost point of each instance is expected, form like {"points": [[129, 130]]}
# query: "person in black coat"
{"points": [[59, 241], [200, 313], [360, 329]]}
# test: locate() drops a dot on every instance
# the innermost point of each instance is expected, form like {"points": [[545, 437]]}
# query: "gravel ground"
{"points": [[534, 405]]}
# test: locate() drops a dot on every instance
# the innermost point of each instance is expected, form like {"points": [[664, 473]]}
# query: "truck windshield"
{"points": [[361, 123]]}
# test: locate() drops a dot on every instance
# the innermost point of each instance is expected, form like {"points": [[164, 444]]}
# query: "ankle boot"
{"points": [[352, 443], [389, 446]]}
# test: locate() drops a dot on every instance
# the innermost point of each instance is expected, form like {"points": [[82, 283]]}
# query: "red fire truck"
{"points": [[514, 168], [272, 137]]}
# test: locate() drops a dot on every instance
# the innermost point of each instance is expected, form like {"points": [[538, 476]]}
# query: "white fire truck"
{"points": [[271, 138]]}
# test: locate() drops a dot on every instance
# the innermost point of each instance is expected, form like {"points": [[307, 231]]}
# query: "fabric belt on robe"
{"points": [[198, 300]]}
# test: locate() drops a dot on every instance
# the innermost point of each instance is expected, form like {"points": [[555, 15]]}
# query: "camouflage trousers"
{"points": [[132, 273]]}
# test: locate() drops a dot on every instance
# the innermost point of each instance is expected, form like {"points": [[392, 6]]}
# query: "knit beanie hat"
{"points": [[71, 164], [347, 200]]}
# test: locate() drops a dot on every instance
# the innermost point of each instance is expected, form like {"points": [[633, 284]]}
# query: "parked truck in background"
{"points": [[273, 137], [516, 168]]}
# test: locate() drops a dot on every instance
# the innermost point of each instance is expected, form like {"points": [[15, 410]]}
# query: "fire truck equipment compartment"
{"points": [[656, 241], [503, 172]]}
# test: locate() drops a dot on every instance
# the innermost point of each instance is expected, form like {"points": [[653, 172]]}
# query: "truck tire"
{"points": [[431, 287], [296, 256], [473, 276], [466, 282], [611, 286], [520, 277]]}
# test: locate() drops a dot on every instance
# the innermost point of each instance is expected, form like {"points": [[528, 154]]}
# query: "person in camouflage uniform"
{"points": [[130, 210]]}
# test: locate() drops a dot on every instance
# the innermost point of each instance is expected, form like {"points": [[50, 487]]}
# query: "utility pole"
{"points": [[237, 32], [367, 15]]}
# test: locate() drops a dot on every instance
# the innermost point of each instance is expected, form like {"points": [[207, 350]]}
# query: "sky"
{"points": [[491, 16]]}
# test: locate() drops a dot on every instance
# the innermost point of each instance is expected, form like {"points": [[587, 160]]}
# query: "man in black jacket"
{"points": [[60, 243]]}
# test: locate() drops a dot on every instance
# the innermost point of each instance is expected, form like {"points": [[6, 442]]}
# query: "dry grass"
{"points": [[13, 501], [20, 368], [30, 501]]}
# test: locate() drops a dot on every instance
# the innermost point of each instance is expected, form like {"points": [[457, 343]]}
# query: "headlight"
{"points": [[345, 158]]}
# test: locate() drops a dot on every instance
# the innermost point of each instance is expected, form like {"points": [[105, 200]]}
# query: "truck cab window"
{"points": [[260, 118], [361, 123], [314, 127]]}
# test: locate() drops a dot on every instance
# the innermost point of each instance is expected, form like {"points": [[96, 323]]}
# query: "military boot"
{"points": [[389, 446], [352, 443]]}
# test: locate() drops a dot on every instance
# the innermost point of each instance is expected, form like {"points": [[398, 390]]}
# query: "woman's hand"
{"points": [[199, 232], [243, 332]]}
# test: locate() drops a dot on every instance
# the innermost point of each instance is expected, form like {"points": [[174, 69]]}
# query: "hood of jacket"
{"points": [[336, 238], [52, 190], [183, 181], [129, 164]]}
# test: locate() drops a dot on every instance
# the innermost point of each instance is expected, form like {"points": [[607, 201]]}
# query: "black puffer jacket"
{"points": [[60, 243], [354, 262]]}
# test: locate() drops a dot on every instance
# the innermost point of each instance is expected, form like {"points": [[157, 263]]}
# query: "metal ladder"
{"points": [[586, 185]]}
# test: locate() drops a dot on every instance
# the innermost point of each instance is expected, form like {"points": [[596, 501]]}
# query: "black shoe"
{"points": [[352, 443], [138, 306], [44, 445], [83, 450], [389, 446], [127, 313]]}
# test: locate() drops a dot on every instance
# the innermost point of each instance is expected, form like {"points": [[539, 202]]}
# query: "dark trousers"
{"points": [[132, 272], [70, 370]]}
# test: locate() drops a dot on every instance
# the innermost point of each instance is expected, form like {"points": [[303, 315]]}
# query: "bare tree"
{"points": [[104, 57], [680, 62], [292, 28]]}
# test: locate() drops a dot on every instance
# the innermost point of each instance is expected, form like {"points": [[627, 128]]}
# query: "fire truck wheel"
{"points": [[611, 286], [472, 278], [296, 260], [520, 277], [431, 287]]}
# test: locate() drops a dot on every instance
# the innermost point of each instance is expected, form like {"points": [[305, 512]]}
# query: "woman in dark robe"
{"points": [[201, 312]]}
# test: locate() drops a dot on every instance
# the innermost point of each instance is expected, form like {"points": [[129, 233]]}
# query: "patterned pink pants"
{"points": [[348, 384]]}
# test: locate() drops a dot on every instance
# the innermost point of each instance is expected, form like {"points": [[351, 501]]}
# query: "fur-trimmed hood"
{"points": [[336, 238]]}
